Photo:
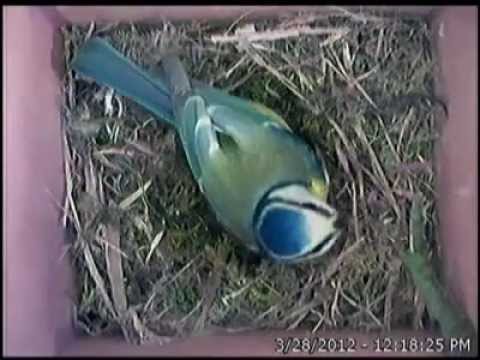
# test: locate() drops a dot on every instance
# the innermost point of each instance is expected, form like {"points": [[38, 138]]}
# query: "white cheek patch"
{"points": [[318, 226]]}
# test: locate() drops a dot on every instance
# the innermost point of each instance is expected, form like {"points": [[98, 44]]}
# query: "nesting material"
{"points": [[150, 261]]}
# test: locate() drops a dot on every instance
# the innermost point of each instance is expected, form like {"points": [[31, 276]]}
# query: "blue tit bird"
{"points": [[265, 185]]}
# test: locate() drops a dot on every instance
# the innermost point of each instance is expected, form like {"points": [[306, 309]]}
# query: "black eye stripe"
{"points": [[306, 205]]}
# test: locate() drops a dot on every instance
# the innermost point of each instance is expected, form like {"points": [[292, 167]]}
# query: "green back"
{"points": [[257, 151]]}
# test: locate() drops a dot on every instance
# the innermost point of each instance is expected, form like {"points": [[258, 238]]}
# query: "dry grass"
{"points": [[150, 260]]}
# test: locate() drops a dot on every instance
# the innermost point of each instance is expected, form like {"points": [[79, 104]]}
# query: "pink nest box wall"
{"points": [[37, 279]]}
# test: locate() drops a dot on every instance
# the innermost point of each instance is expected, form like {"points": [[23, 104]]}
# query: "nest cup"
{"points": [[42, 323]]}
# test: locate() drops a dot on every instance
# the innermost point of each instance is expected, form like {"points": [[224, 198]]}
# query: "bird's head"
{"points": [[292, 224]]}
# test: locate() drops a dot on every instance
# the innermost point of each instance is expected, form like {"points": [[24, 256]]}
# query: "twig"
{"points": [[92, 267], [334, 307], [378, 169], [115, 270], [272, 35], [332, 269], [156, 240], [127, 202], [358, 16], [320, 322], [240, 18], [69, 202], [387, 317]]}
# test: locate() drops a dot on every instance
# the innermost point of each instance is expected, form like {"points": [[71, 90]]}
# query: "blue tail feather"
{"points": [[107, 66]]}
